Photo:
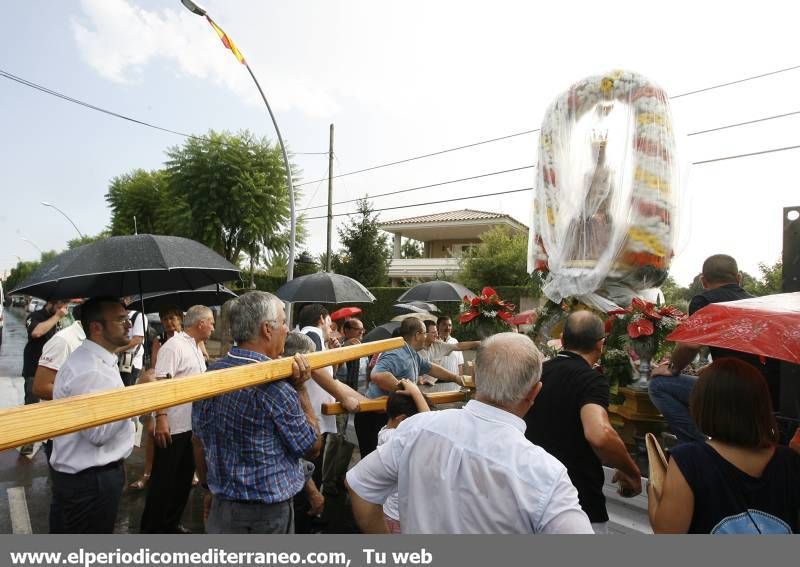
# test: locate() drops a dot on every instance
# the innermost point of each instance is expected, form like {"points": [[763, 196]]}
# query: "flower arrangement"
{"points": [[644, 326], [488, 312]]}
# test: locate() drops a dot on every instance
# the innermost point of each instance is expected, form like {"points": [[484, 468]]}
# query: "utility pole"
{"points": [[330, 204]]}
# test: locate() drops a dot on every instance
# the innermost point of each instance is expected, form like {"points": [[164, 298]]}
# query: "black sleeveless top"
{"points": [[727, 500]]}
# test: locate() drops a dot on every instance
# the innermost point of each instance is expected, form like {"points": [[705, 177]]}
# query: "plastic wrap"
{"points": [[604, 206]]}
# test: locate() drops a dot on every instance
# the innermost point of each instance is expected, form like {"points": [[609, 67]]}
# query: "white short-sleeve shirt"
{"points": [[452, 360], [317, 395], [180, 356], [470, 470], [91, 368], [61, 345], [137, 330]]}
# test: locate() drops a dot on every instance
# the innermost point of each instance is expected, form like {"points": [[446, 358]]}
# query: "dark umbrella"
{"points": [[381, 332], [183, 299], [414, 307], [323, 287], [436, 291], [127, 265]]}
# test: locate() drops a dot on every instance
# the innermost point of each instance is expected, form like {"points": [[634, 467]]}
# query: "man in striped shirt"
{"points": [[249, 442]]}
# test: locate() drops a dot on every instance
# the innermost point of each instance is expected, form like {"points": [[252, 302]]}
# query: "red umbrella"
{"points": [[344, 313], [767, 326], [524, 318]]}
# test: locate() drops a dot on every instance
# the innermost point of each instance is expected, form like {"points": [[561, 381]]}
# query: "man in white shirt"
{"points": [[481, 475], [436, 350], [54, 354], [454, 360], [88, 474], [173, 459]]}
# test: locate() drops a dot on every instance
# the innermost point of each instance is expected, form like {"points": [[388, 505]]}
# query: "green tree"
{"points": [[139, 195], [411, 249], [305, 264], [501, 258], [365, 255], [229, 192], [19, 274], [769, 282], [75, 242]]}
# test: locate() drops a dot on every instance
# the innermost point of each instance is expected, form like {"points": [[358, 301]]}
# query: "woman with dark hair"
{"points": [[740, 481]]}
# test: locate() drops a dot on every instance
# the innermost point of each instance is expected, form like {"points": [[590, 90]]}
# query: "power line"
{"points": [[431, 154], [718, 128], [735, 82], [744, 123], [428, 203], [736, 156], [712, 87], [46, 90], [439, 184]]}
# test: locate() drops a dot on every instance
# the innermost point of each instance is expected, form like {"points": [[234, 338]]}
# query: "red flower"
{"points": [[609, 325], [504, 315], [645, 307], [671, 311], [488, 292], [641, 327], [467, 317]]}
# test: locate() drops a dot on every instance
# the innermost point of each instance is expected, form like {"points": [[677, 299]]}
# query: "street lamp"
{"points": [[226, 41], [51, 205], [32, 243]]}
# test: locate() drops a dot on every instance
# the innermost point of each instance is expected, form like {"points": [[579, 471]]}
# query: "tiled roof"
{"points": [[452, 216]]}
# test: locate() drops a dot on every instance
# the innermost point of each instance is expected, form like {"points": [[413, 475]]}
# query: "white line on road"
{"points": [[18, 508]]}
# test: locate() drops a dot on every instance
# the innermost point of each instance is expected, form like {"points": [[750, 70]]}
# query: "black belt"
{"points": [[101, 468]]}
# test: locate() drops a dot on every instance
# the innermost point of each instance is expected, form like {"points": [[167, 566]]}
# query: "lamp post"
{"points": [[51, 205], [32, 243], [226, 41]]}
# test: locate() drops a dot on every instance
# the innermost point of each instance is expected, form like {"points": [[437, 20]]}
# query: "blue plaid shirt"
{"points": [[253, 438]]}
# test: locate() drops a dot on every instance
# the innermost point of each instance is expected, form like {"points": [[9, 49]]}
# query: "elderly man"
{"points": [[393, 366], [472, 470], [88, 476], [249, 442], [173, 458], [669, 389], [570, 418]]}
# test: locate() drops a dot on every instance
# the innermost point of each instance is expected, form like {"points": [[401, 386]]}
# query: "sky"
{"points": [[397, 80]]}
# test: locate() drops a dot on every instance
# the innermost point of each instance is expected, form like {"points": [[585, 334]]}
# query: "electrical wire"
{"points": [[705, 89], [439, 184], [46, 90], [428, 203], [717, 129], [702, 162]]}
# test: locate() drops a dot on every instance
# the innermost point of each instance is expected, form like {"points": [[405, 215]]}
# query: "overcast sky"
{"points": [[397, 80]]}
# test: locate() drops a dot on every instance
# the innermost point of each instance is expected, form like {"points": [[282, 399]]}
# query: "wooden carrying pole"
{"points": [[35, 422], [379, 404]]}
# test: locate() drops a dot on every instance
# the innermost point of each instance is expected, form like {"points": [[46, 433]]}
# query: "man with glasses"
{"points": [[570, 418], [88, 476], [393, 366]]}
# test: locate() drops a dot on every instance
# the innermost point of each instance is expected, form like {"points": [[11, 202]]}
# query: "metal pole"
{"points": [[65, 216], [330, 205], [293, 220]]}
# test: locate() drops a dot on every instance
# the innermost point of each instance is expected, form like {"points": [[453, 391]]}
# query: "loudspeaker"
{"points": [[790, 373]]}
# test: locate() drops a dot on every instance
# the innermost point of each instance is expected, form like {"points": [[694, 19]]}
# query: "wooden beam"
{"points": [[35, 422], [379, 404]]}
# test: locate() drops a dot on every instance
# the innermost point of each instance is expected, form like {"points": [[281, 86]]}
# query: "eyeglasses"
{"points": [[121, 320]]}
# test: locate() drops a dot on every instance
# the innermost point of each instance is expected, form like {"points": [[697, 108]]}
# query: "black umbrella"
{"points": [[324, 287], [207, 295], [414, 307], [381, 332], [127, 265], [436, 291]]}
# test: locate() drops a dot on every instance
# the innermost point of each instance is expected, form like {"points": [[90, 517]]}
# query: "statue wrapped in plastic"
{"points": [[605, 202]]}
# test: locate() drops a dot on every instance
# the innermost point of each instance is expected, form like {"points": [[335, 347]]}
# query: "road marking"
{"points": [[18, 508]]}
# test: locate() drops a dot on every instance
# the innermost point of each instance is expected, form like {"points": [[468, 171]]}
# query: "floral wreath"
{"points": [[648, 241]]}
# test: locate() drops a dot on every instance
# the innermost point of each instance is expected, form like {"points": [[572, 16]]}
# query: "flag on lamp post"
{"points": [[226, 41]]}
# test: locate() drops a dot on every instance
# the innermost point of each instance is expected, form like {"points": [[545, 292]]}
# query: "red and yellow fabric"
{"points": [[226, 41]]}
